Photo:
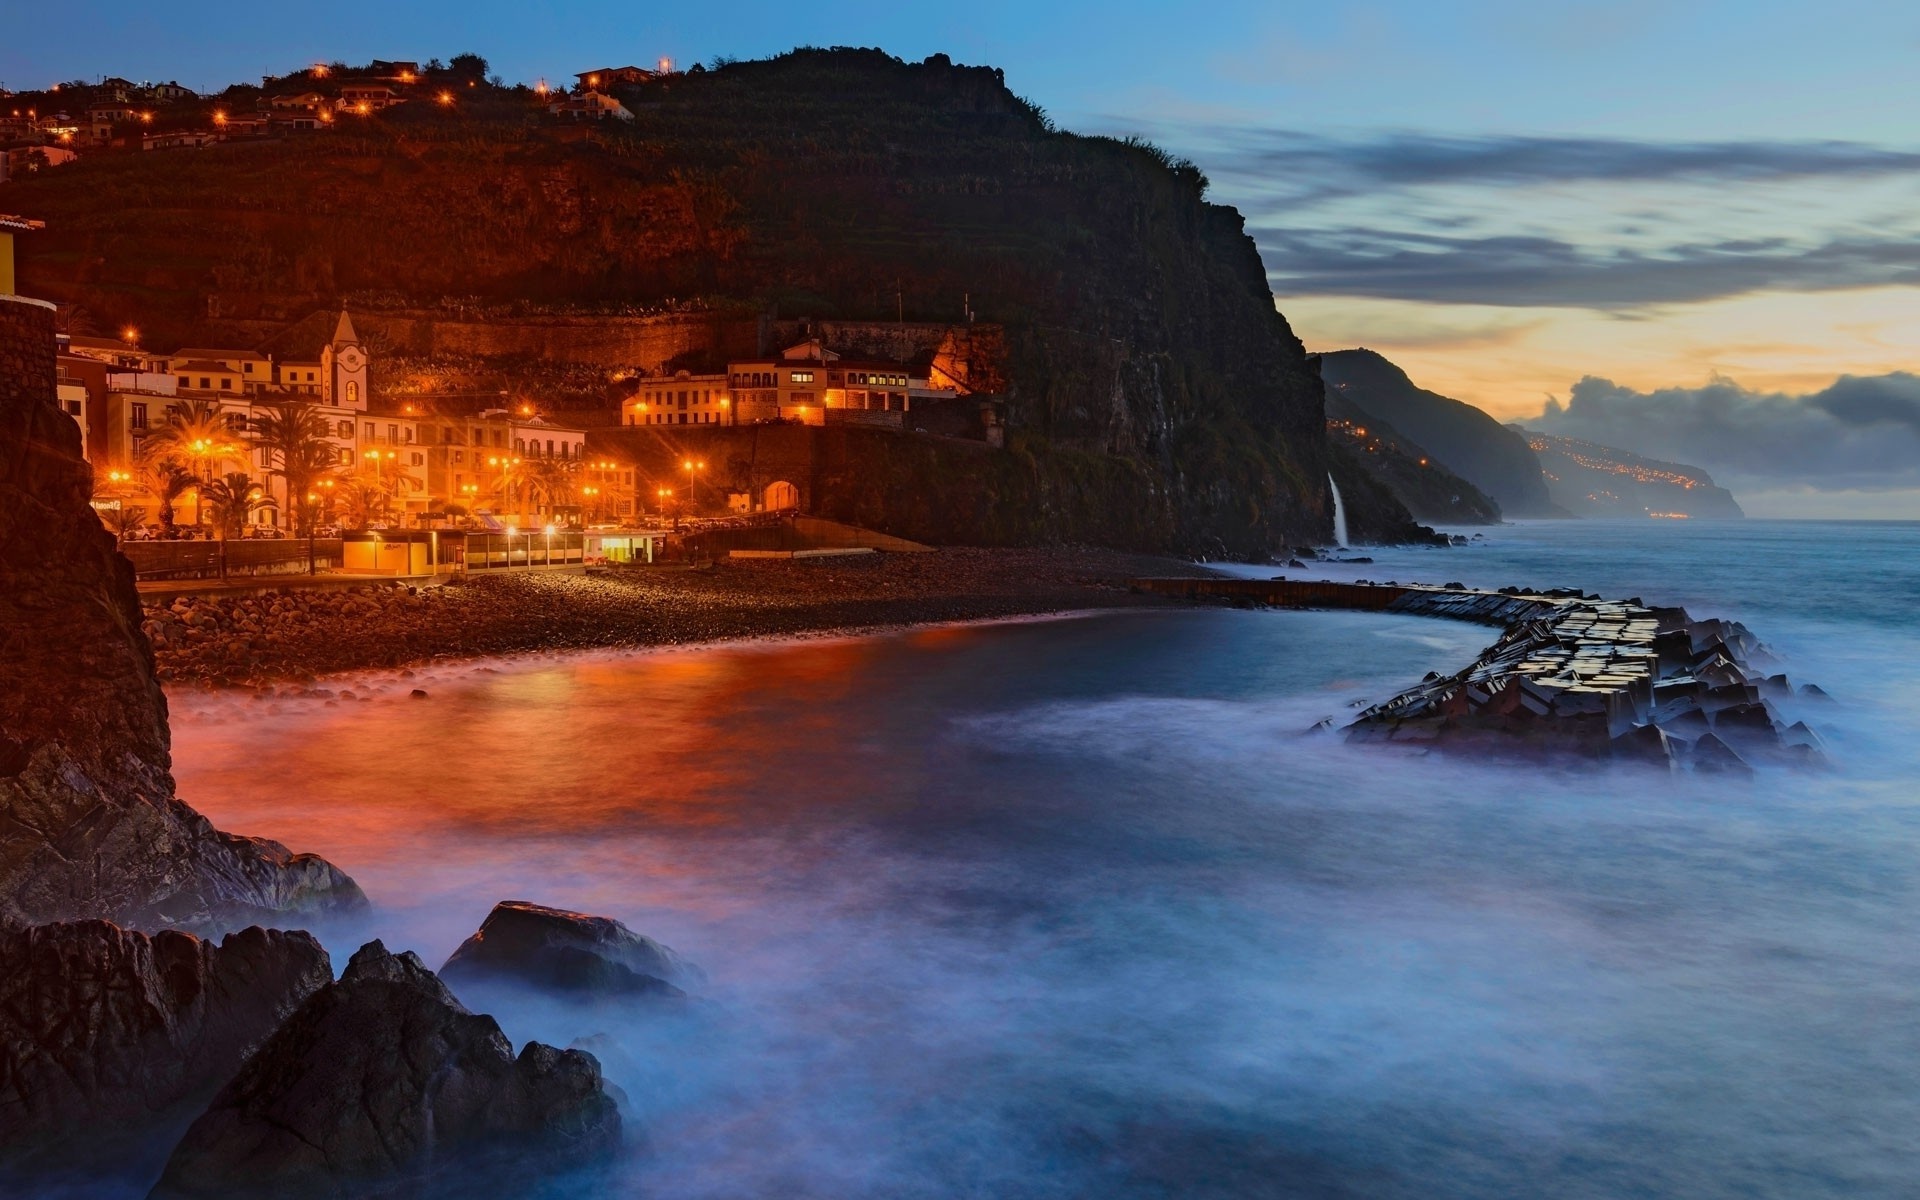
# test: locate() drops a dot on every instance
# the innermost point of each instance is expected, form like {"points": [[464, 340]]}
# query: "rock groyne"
{"points": [[1569, 674]]}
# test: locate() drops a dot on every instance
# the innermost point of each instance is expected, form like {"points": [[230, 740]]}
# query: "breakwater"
{"points": [[1570, 673]]}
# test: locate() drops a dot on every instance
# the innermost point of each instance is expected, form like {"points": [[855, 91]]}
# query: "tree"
{"points": [[167, 483], [554, 481], [123, 520], [197, 438], [368, 494], [295, 438], [469, 65], [232, 499]]}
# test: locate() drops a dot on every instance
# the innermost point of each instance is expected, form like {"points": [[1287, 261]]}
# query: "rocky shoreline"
{"points": [[293, 634]]}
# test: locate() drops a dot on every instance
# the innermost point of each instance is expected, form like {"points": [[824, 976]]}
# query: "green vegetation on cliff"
{"points": [[846, 183]]}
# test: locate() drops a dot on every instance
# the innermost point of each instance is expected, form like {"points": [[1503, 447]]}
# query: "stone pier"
{"points": [[1569, 674]]}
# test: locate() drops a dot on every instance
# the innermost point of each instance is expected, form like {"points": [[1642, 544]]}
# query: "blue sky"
{"points": [[1506, 197]]}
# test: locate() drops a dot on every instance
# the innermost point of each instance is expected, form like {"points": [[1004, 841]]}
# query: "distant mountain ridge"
{"points": [[1591, 480], [1495, 459], [1414, 474]]}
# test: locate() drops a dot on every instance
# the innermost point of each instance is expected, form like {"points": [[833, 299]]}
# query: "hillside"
{"points": [[1591, 480], [832, 184], [1494, 458], [1408, 470]]}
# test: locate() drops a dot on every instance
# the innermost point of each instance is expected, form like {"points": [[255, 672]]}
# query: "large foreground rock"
{"points": [[89, 824], [382, 1084], [109, 1035], [569, 952]]}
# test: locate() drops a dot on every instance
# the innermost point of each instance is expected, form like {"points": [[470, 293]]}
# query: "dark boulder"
{"points": [[108, 1036], [569, 952], [89, 824], [382, 1084]]}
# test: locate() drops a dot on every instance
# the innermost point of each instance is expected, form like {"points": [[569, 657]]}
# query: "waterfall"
{"points": [[1339, 514]]}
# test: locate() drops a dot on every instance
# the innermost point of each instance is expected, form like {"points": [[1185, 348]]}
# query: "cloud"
{"points": [[1525, 271], [1611, 224], [1861, 433], [1307, 167]]}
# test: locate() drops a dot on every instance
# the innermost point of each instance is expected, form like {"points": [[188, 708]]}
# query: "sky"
{"points": [[1516, 200]]}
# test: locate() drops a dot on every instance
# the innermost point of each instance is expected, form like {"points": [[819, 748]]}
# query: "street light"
{"points": [[691, 467]]}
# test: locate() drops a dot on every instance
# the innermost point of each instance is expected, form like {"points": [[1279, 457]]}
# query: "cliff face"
{"points": [[829, 184], [89, 824], [1465, 440]]}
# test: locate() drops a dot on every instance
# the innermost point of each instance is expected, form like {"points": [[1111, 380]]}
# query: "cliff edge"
{"points": [[89, 824]]}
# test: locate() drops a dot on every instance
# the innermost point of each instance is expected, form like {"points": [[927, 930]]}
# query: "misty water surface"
{"points": [[1073, 908]]}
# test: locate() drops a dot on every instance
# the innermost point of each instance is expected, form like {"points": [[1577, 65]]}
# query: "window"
{"points": [[346, 429], [803, 377], [419, 461], [226, 385], [346, 458], [73, 408], [137, 416], [369, 430], [549, 446], [206, 385], [393, 433], [353, 393], [459, 457]]}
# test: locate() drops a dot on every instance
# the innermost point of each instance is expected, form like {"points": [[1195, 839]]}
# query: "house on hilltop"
{"points": [[368, 97], [590, 106], [606, 77]]}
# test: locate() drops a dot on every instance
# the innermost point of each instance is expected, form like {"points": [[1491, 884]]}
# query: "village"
{"points": [[292, 439], [41, 130]]}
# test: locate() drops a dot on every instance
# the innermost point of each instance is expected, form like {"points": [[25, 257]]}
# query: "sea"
{"points": [[1084, 907]]}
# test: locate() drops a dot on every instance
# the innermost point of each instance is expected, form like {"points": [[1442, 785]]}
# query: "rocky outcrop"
{"points": [[108, 1036], [566, 952], [89, 824], [382, 1084], [1155, 398]]}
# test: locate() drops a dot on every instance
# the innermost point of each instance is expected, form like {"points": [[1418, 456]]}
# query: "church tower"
{"points": [[344, 366]]}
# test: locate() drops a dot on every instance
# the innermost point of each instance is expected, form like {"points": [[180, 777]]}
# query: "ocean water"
{"points": [[1078, 908]]}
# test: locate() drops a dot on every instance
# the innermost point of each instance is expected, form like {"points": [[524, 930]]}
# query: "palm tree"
{"points": [[368, 494], [289, 430], [123, 520], [512, 476], [233, 498], [196, 437], [295, 437], [553, 480], [167, 482]]}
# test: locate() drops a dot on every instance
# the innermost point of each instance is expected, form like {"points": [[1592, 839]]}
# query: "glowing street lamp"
{"points": [[691, 467]]}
